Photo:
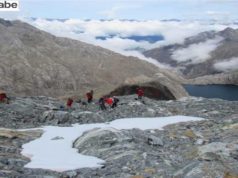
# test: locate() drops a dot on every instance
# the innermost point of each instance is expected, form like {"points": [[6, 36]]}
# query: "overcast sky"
{"points": [[225, 10]]}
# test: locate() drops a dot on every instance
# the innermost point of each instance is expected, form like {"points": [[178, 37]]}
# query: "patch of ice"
{"points": [[58, 155]]}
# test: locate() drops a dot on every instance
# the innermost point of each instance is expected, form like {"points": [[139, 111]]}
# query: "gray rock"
{"points": [[60, 117], [100, 142], [190, 149], [155, 141], [218, 148], [199, 142], [57, 138]]}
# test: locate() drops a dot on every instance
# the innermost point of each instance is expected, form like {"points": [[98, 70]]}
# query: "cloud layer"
{"points": [[227, 65], [196, 53], [119, 31]]}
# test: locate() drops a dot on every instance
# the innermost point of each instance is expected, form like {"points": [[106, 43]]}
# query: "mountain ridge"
{"points": [[223, 44], [34, 62]]}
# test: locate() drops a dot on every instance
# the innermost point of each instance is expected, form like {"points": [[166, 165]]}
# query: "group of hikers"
{"points": [[104, 101]]}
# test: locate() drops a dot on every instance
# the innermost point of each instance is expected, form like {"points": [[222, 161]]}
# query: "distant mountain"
{"points": [[33, 62], [207, 53], [138, 38]]}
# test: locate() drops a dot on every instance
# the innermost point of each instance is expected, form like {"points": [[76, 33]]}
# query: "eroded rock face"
{"points": [[206, 148], [158, 92], [162, 86]]}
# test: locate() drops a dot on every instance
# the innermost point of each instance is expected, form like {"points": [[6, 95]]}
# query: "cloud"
{"points": [[88, 31], [173, 32], [196, 53], [227, 65]]}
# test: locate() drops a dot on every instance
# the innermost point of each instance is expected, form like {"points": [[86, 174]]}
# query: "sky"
{"points": [[127, 9], [193, 17]]}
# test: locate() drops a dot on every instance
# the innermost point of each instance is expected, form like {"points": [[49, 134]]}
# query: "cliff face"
{"points": [[188, 149], [162, 86], [33, 62], [208, 53]]}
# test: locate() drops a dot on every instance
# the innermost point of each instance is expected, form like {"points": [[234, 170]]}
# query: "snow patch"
{"points": [[58, 155]]}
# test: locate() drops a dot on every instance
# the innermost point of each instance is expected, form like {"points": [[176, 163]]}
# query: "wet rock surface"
{"points": [[207, 148]]}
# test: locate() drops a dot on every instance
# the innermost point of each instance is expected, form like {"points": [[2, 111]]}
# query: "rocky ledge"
{"points": [[223, 79], [207, 148]]}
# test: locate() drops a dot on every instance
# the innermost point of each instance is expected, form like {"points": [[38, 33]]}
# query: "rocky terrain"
{"points": [[204, 53], [207, 148], [223, 78], [33, 62]]}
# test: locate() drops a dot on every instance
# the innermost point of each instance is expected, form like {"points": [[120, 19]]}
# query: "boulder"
{"points": [[60, 117], [154, 141]]}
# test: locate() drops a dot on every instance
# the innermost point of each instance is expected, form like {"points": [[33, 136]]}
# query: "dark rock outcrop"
{"points": [[161, 87]]}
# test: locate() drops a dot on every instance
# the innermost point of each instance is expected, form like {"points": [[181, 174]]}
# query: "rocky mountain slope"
{"points": [[33, 62], [207, 53], [223, 78], [207, 148]]}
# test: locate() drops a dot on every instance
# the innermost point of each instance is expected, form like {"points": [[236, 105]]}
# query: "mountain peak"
{"points": [[229, 34], [6, 23]]}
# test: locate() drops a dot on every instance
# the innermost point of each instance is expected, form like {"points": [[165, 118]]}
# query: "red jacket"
{"points": [[3, 96], [109, 101], [70, 102], [140, 92], [89, 95]]}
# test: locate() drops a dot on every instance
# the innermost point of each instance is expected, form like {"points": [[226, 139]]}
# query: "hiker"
{"points": [[115, 101], [3, 97], [69, 102], [140, 93], [109, 101], [101, 103], [89, 96]]}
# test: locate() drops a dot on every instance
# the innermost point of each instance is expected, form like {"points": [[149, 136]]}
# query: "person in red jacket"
{"points": [[3, 97], [140, 93], [69, 102], [89, 96], [109, 101]]}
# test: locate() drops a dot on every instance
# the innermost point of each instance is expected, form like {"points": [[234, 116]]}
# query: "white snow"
{"points": [[58, 155]]}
